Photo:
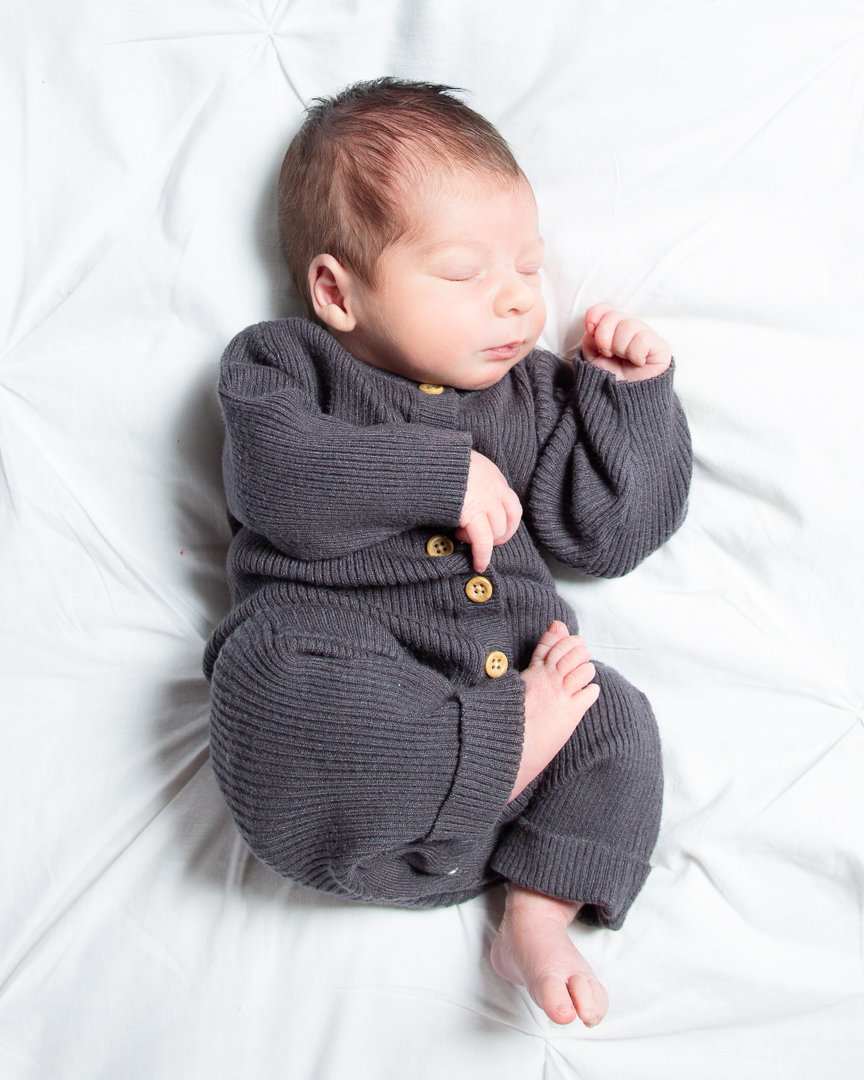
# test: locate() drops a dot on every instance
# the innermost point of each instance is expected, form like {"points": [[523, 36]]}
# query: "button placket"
{"points": [[438, 407], [486, 623]]}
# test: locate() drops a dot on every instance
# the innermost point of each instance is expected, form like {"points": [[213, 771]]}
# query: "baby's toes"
{"points": [[563, 647], [556, 631], [551, 636], [589, 999], [553, 996], [579, 678], [582, 700], [574, 657]]}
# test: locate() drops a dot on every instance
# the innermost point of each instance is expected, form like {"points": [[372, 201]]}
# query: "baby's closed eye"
{"points": [[461, 273]]}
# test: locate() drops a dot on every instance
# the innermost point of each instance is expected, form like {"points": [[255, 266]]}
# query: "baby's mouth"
{"points": [[504, 352]]}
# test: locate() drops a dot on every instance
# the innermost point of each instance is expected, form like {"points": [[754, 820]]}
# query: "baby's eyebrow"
{"points": [[478, 245], [429, 249]]}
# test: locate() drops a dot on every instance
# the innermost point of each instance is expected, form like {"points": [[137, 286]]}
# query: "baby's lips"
{"points": [[505, 352]]}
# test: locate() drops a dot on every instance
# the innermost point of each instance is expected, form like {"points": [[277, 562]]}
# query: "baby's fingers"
{"points": [[617, 334], [605, 330], [554, 632], [593, 316], [636, 342], [574, 657], [563, 648], [513, 511], [631, 343], [478, 533], [497, 518]]}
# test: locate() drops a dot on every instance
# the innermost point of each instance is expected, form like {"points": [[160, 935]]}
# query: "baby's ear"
{"points": [[331, 286]]}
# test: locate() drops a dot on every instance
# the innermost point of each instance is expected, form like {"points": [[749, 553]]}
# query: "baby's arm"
{"points": [[317, 487], [613, 472]]}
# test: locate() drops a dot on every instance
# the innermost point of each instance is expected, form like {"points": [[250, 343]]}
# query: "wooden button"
{"points": [[430, 388], [479, 589], [496, 665], [439, 545]]}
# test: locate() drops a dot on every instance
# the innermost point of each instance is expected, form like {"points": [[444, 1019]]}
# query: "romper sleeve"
{"points": [[614, 465], [316, 486]]}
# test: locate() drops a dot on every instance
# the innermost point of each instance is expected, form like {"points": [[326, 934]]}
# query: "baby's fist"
{"points": [[626, 347]]}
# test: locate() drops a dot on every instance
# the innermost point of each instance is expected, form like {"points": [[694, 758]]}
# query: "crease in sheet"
{"points": [[570, 333], [284, 70], [101, 864], [813, 764], [110, 539], [133, 204], [808, 81], [417, 993], [556, 1066]]}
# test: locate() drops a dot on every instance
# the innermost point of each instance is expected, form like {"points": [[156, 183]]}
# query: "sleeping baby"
{"points": [[402, 712]]}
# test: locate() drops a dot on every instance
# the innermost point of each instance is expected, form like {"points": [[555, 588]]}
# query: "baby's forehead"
{"points": [[421, 178], [424, 198]]}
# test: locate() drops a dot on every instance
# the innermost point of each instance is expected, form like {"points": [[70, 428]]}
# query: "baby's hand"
{"points": [[491, 511], [626, 347]]}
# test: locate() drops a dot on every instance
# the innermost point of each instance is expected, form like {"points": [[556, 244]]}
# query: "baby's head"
{"points": [[411, 234]]}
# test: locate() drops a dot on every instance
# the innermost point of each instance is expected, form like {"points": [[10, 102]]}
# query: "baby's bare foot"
{"points": [[557, 696], [534, 950]]}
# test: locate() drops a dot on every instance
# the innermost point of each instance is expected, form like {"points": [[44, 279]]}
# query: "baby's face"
{"points": [[458, 302]]}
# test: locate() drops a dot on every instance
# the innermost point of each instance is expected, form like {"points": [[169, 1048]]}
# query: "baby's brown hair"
{"points": [[358, 153]]}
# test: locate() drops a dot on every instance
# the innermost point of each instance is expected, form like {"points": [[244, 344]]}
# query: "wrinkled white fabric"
{"points": [[699, 165]]}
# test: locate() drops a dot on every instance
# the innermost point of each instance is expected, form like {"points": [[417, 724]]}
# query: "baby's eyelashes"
{"points": [[467, 272], [461, 274]]}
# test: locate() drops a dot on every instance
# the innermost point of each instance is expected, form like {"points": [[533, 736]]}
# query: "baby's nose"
{"points": [[515, 296]]}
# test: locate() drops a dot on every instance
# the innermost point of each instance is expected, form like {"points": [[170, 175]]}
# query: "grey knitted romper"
{"points": [[363, 739]]}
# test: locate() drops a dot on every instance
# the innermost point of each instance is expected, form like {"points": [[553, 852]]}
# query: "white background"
{"points": [[697, 163]]}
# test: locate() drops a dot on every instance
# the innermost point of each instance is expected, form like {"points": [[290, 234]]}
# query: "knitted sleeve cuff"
{"points": [[648, 401]]}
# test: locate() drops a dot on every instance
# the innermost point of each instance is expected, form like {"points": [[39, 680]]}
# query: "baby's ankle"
{"points": [[527, 904]]}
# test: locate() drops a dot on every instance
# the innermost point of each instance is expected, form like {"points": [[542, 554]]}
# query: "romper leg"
{"points": [[350, 766], [590, 826]]}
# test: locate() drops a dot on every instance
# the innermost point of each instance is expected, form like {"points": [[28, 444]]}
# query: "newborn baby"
{"points": [[401, 713]]}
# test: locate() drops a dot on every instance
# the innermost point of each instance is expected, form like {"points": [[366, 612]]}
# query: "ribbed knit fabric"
{"points": [[355, 733]]}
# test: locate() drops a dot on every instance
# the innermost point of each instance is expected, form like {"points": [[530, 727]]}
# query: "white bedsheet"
{"points": [[700, 165]]}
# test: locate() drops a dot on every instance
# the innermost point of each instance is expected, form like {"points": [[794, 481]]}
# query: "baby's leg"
{"points": [[580, 848], [352, 767]]}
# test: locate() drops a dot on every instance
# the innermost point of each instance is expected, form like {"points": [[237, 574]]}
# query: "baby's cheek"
{"points": [[539, 313]]}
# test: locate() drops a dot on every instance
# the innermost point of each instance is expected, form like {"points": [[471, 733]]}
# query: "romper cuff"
{"points": [[604, 879], [491, 734]]}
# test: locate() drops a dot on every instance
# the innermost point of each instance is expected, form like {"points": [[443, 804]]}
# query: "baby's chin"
{"points": [[491, 372], [480, 384]]}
